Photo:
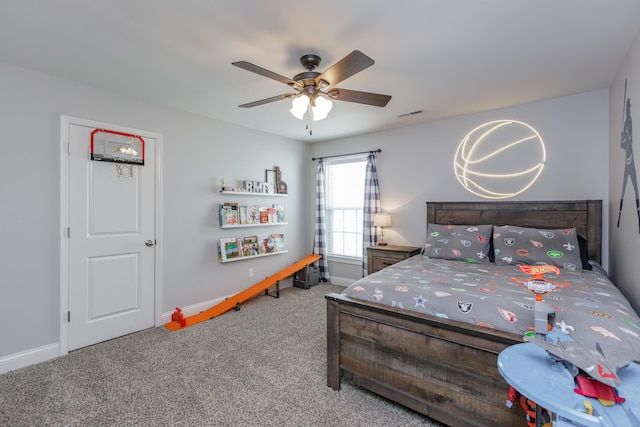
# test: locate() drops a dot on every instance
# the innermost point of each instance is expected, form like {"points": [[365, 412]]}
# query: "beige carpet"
{"points": [[264, 365]]}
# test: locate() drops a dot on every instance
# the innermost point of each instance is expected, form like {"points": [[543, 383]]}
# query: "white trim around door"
{"points": [[65, 123]]}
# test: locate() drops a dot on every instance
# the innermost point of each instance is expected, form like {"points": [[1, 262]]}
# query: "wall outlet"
{"points": [[251, 272]]}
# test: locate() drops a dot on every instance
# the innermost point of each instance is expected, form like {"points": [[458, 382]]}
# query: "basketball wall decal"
{"points": [[499, 159]]}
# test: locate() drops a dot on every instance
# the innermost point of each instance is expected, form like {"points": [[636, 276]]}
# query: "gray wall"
{"points": [[197, 152], [416, 163], [625, 240]]}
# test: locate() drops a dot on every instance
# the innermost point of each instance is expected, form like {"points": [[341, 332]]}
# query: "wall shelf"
{"points": [[246, 193], [254, 225], [251, 257]]}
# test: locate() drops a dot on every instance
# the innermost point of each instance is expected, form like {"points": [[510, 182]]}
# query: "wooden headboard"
{"points": [[584, 215]]}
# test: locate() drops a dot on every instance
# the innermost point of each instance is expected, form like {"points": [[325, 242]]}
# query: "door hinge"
{"points": [[68, 232], [69, 316], [69, 148]]}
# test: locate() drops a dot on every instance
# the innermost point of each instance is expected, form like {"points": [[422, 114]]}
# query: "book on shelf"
{"points": [[243, 214], [265, 244], [264, 216], [250, 246], [253, 214], [272, 214], [262, 240], [278, 242], [280, 212], [229, 214], [229, 248], [240, 241], [233, 214]]}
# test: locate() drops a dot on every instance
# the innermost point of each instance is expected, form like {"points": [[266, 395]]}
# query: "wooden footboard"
{"points": [[443, 369]]}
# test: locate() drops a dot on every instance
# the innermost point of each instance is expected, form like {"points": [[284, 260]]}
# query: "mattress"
{"points": [[588, 306]]}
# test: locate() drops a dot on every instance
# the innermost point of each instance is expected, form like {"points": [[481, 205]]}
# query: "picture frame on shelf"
{"points": [[270, 178]]}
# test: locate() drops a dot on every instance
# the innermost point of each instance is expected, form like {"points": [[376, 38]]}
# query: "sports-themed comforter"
{"points": [[589, 308]]}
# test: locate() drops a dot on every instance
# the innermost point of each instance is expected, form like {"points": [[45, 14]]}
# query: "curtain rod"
{"points": [[350, 154]]}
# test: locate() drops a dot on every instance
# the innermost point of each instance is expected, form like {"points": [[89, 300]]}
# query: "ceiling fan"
{"points": [[314, 90]]}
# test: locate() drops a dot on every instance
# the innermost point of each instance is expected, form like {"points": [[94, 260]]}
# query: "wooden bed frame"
{"points": [[444, 369]]}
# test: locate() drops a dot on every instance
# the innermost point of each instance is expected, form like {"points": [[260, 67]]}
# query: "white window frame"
{"points": [[350, 256]]}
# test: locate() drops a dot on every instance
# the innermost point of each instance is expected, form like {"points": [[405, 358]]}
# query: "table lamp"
{"points": [[382, 220]]}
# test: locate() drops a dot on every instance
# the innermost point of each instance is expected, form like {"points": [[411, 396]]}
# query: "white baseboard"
{"points": [[29, 357], [341, 281]]}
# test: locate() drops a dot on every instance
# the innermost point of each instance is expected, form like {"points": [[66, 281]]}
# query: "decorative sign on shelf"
{"points": [[273, 184], [280, 184], [257, 187]]}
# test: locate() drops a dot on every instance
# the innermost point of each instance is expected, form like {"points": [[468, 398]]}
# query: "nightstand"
{"points": [[379, 257]]}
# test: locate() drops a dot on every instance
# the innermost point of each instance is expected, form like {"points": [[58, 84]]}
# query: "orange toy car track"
{"points": [[179, 321]]}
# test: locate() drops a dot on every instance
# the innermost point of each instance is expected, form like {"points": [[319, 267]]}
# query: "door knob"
{"points": [[150, 242]]}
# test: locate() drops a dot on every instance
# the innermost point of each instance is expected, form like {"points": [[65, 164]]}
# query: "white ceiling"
{"points": [[444, 57]]}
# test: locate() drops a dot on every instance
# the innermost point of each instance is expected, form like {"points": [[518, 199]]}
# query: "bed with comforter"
{"points": [[426, 332]]}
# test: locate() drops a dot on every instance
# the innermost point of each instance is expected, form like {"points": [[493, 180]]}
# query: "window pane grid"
{"points": [[345, 237]]}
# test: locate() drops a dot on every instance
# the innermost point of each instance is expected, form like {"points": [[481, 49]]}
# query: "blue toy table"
{"points": [[535, 374]]}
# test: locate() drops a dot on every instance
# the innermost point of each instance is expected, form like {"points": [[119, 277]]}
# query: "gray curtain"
{"points": [[320, 239], [371, 207]]}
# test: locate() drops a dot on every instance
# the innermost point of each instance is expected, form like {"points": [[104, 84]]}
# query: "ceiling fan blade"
{"points": [[268, 100], [263, 72], [368, 98], [351, 64]]}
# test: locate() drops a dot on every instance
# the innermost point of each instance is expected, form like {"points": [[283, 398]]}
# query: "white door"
{"points": [[111, 243]]}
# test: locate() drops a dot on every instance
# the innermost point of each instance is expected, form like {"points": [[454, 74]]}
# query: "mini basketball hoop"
{"points": [[117, 147]]}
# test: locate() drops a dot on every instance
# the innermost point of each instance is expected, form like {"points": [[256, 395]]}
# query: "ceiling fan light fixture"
{"points": [[299, 106], [321, 109]]}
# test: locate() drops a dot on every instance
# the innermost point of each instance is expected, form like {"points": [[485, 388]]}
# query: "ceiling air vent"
{"points": [[413, 113]]}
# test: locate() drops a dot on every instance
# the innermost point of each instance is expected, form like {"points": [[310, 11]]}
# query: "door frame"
{"points": [[65, 122]]}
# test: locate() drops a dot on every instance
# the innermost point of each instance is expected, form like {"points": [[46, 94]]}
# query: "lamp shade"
{"points": [[319, 109], [382, 220], [322, 108], [299, 106]]}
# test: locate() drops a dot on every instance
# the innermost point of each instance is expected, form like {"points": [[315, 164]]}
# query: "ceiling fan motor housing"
{"points": [[310, 62], [308, 77]]}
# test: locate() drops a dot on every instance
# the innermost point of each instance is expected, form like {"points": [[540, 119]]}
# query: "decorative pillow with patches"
{"points": [[470, 243], [530, 246]]}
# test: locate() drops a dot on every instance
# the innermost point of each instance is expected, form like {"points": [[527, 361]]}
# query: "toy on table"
{"points": [[530, 370], [539, 286], [594, 371], [576, 356]]}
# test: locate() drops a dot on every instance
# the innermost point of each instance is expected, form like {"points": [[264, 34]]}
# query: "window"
{"points": [[344, 206]]}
